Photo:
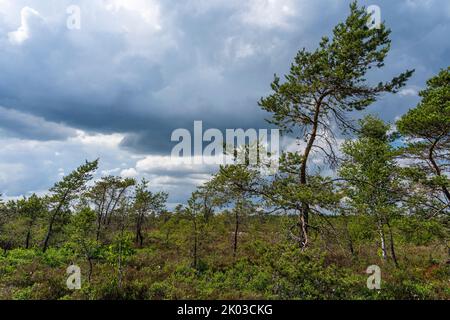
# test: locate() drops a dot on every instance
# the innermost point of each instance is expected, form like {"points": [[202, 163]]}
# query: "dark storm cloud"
{"points": [[17, 124], [216, 72], [90, 81]]}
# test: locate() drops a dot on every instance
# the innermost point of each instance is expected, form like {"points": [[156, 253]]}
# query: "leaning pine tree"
{"points": [[322, 87], [66, 191]]}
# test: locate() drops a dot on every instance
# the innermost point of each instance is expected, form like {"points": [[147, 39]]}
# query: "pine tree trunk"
{"points": [[349, 238], [52, 221], [119, 282], [391, 240], [139, 237], [49, 233], [236, 232], [437, 169], [195, 244], [27, 240], [382, 239], [304, 211], [90, 269]]}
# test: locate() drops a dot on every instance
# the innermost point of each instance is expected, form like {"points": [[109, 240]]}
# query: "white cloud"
{"points": [[27, 165], [11, 172], [165, 164], [147, 9], [129, 173], [269, 13], [30, 19], [102, 140], [110, 171], [408, 92]]}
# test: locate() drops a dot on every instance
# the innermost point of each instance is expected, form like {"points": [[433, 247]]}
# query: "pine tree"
{"points": [[372, 180], [324, 85], [426, 130], [65, 191]]}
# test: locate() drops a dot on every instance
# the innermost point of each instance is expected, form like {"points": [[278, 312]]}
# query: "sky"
{"points": [[135, 70]]}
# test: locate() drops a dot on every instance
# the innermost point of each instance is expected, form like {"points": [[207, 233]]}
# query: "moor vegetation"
{"points": [[307, 231]]}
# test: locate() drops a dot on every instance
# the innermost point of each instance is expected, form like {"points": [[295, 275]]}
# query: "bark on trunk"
{"points": [[139, 237], [195, 244], [382, 240], [236, 232], [391, 240], [119, 282], [90, 269], [437, 169], [27, 240], [304, 211], [351, 248], [49, 232], [52, 220]]}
